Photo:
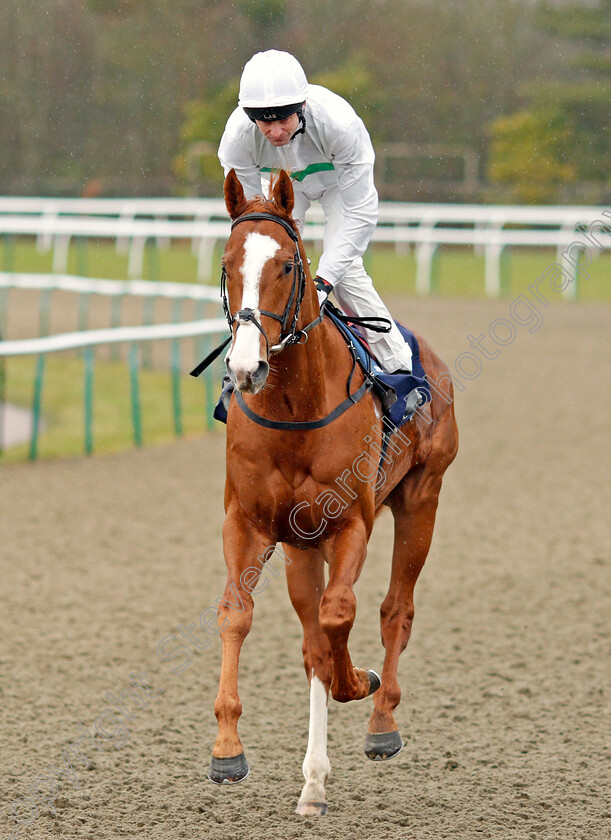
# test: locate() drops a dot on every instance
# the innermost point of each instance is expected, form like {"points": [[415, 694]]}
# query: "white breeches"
{"points": [[357, 296]]}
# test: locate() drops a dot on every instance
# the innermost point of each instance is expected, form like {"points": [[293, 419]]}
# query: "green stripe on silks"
{"points": [[303, 173]]}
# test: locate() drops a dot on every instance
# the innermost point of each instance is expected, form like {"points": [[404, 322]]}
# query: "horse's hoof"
{"points": [[382, 745], [228, 771], [374, 682], [311, 809]]}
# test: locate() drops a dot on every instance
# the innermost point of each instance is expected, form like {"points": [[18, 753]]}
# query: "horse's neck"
{"points": [[300, 377]]}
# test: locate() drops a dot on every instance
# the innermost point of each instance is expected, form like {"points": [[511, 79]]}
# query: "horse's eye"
{"points": [[288, 268]]}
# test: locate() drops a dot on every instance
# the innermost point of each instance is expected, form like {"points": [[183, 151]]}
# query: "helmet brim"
{"points": [[273, 113]]}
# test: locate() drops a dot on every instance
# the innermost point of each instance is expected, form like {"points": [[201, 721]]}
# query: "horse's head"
{"points": [[264, 278]]}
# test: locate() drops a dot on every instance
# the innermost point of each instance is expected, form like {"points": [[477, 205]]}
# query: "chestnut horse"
{"points": [[292, 437]]}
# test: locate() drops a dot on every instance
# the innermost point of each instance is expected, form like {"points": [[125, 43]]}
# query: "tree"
{"points": [[558, 147]]}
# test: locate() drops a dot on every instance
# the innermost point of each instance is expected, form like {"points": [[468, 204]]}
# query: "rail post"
{"points": [[88, 359], [134, 364], [37, 406]]}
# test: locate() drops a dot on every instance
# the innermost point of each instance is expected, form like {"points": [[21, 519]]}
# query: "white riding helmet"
{"points": [[273, 86]]}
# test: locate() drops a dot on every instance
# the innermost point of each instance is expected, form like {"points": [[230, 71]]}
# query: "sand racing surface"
{"points": [[504, 712]]}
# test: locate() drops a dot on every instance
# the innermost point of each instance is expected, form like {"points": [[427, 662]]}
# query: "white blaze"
{"points": [[258, 250]]}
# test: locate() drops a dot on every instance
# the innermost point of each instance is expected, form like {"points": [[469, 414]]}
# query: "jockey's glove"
{"points": [[323, 287]]}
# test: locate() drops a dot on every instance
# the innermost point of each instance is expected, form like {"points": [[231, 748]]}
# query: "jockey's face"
{"points": [[279, 132]]}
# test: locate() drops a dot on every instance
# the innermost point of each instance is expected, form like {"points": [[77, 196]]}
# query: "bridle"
{"points": [[244, 316]]}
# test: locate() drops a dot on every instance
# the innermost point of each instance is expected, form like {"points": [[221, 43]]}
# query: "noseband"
{"points": [[244, 316]]}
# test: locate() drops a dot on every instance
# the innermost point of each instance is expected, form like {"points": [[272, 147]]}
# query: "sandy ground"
{"points": [[504, 710]]}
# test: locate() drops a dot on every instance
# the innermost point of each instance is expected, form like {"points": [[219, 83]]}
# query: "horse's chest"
{"points": [[278, 484], [294, 496]]}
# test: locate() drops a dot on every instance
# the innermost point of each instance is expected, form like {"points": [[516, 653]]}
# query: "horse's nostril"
{"points": [[259, 374]]}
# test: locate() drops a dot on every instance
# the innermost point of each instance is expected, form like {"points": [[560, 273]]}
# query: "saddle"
{"points": [[400, 394]]}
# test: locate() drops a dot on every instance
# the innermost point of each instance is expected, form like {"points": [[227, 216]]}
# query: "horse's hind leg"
{"points": [[306, 583], [414, 504]]}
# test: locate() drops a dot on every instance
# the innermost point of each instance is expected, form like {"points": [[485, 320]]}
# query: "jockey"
{"points": [[282, 122]]}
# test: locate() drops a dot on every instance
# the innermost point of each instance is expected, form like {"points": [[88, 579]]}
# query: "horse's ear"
{"points": [[234, 195], [282, 193]]}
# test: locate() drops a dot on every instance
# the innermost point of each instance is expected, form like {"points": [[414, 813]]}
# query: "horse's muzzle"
{"points": [[248, 381]]}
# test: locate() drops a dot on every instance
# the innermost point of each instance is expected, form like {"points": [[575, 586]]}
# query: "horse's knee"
{"points": [[337, 611], [236, 621], [396, 620]]}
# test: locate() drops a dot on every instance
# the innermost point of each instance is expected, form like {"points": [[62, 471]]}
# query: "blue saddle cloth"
{"points": [[412, 390]]}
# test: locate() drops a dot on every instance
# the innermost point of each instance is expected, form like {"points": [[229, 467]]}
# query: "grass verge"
{"points": [[63, 433]]}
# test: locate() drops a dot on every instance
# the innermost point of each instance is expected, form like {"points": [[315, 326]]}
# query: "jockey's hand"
{"points": [[323, 288]]}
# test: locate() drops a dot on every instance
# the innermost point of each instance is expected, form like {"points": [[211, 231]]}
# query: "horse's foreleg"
{"points": [[244, 550], [338, 610], [306, 583], [414, 521], [316, 765]]}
